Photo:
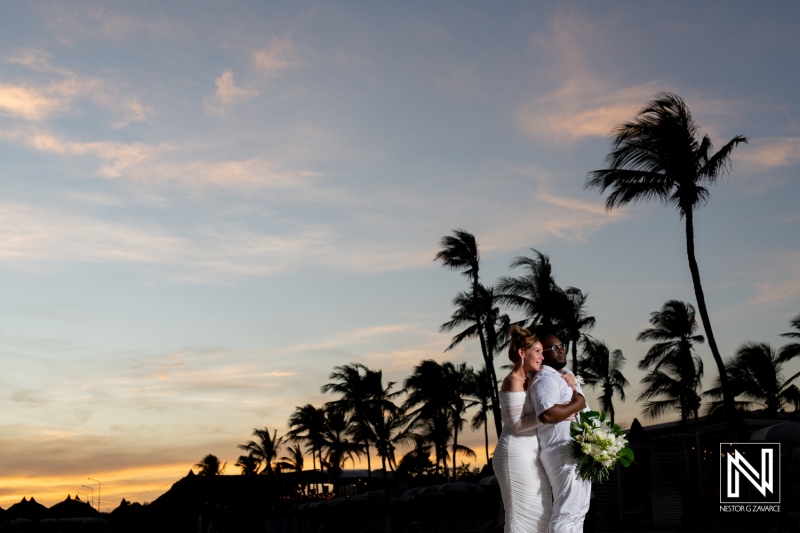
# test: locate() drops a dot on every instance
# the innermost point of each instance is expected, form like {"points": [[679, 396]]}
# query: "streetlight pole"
{"points": [[84, 494], [91, 489], [98, 493]]}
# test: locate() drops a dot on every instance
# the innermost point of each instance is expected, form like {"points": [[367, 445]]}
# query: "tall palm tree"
{"points": [[210, 466], [672, 358], [658, 156], [495, 323], [535, 293], [249, 464], [754, 372], [460, 252], [307, 424], [575, 322], [265, 448], [603, 368]]}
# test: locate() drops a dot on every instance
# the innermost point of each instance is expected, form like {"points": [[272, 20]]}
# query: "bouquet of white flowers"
{"points": [[597, 446]]}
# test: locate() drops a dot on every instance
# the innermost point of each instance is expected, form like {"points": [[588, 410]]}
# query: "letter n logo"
{"points": [[750, 473]]}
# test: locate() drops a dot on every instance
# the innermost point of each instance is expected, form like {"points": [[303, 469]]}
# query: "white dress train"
{"points": [[527, 497]]}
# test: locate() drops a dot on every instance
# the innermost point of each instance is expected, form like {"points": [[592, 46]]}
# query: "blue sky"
{"points": [[206, 208]]}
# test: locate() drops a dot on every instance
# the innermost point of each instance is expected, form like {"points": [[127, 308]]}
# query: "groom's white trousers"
{"points": [[570, 494]]}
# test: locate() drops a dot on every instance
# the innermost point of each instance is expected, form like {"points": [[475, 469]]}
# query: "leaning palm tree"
{"points": [[755, 373], [495, 323], [460, 252], [673, 334], [602, 367], [265, 448], [658, 156], [210, 466]]}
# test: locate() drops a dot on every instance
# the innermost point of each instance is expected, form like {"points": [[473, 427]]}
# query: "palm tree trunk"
{"points": [[455, 447], [727, 397], [486, 438], [369, 464], [487, 359], [575, 355]]}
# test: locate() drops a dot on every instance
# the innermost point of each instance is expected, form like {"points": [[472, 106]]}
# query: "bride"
{"points": [[524, 487]]}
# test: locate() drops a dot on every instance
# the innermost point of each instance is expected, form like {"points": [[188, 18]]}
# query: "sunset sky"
{"points": [[208, 205]]}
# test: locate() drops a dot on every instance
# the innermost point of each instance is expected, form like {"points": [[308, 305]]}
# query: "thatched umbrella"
{"points": [[30, 509], [70, 508]]}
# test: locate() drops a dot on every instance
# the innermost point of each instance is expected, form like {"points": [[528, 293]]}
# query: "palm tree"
{"points": [[293, 461], [460, 252], [575, 322], [349, 383], [249, 464], [437, 391], [670, 388], [495, 323], [428, 404], [754, 372], [480, 395], [459, 381], [307, 424], [210, 466], [604, 368], [672, 358], [391, 430], [536, 293], [265, 449], [658, 156], [338, 448], [362, 393], [793, 349]]}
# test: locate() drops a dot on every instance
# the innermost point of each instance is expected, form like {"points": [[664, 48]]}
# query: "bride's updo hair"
{"points": [[521, 339]]}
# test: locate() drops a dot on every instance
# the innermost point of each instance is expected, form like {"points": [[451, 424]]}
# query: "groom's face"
{"points": [[554, 354]]}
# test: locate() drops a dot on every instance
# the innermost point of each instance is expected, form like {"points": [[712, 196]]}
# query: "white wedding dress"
{"points": [[527, 497]]}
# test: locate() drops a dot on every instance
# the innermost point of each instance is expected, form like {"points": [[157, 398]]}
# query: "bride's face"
{"points": [[533, 358]]}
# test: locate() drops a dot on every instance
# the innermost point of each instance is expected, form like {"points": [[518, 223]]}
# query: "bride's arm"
{"points": [[517, 420]]}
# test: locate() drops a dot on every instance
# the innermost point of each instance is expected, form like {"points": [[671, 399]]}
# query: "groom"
{"points": [[554, 401]]}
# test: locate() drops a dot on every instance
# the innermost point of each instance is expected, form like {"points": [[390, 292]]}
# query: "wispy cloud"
{"points": [[38, 101], [280, 54], [227, 94], [771, 152], [777, 279], [107, 23]]}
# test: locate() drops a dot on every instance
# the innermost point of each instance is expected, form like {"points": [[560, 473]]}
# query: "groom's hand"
{"points": [[559, 413]]}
